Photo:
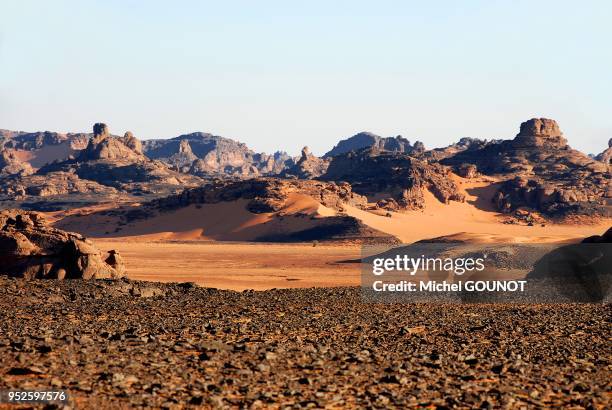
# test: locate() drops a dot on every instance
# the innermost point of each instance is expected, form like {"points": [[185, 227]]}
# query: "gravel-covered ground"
{"points": [[124, 344]]}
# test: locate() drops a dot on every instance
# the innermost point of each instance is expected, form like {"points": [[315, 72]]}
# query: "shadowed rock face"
{"points": [[403, 178], [209, 156], [606, 155], [543, 172], [369, 140], [30, 249]]}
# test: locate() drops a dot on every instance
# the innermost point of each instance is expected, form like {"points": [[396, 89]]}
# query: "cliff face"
{"points": [[543, 172], [400, 178], [369, 140], [208, 155]]}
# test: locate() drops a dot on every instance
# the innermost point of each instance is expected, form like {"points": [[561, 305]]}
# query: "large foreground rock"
{"points": [[29, 249]]}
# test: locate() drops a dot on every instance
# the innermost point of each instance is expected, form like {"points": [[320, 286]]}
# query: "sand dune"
{"points": [[224, 221], [470, 221], [187, 244]]}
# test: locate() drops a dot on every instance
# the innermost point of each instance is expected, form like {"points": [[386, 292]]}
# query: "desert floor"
{"points": [[239, 266], [126, 344]]}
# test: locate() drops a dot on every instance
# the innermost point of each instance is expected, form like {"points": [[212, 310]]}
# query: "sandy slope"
{"points": [[474, 221], [225, 221], [183, 245]]}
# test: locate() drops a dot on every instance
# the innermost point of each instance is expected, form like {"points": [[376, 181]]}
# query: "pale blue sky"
{"points": [[283, 74]]}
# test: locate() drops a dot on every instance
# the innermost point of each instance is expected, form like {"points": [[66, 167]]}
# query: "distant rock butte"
{"points": [[369, 140], [29, 249]]}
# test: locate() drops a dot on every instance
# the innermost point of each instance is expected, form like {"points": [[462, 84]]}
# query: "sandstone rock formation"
{"points": [[102, 146], [108, 161], [184, 159], [542, 172], [132, 142], [307, 167], [40, 148], [264, 194], [400, 177], [30, 249], [464, 144], [369, 140], [51, 185], [11, 165], [606, 155], [214, 156], [467, 170]]}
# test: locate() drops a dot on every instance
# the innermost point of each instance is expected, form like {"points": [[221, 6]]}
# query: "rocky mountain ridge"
{"points": [[208, 155], [537, 168], [541, 171]]}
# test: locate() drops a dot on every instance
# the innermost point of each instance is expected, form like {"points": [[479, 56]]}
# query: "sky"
{"points": [[279, 75]]}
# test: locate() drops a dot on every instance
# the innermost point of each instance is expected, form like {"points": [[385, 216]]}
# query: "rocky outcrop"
{"points": [[29, 249], [184, 158], [132, 142], [399, 177], [214, 156], [102, 146], [51, 185], [369, 140], [11, 165], [40, 148], [108, 161], [606, 155], [264, 194], [542, 172], [307, 167], [464, 144]]}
